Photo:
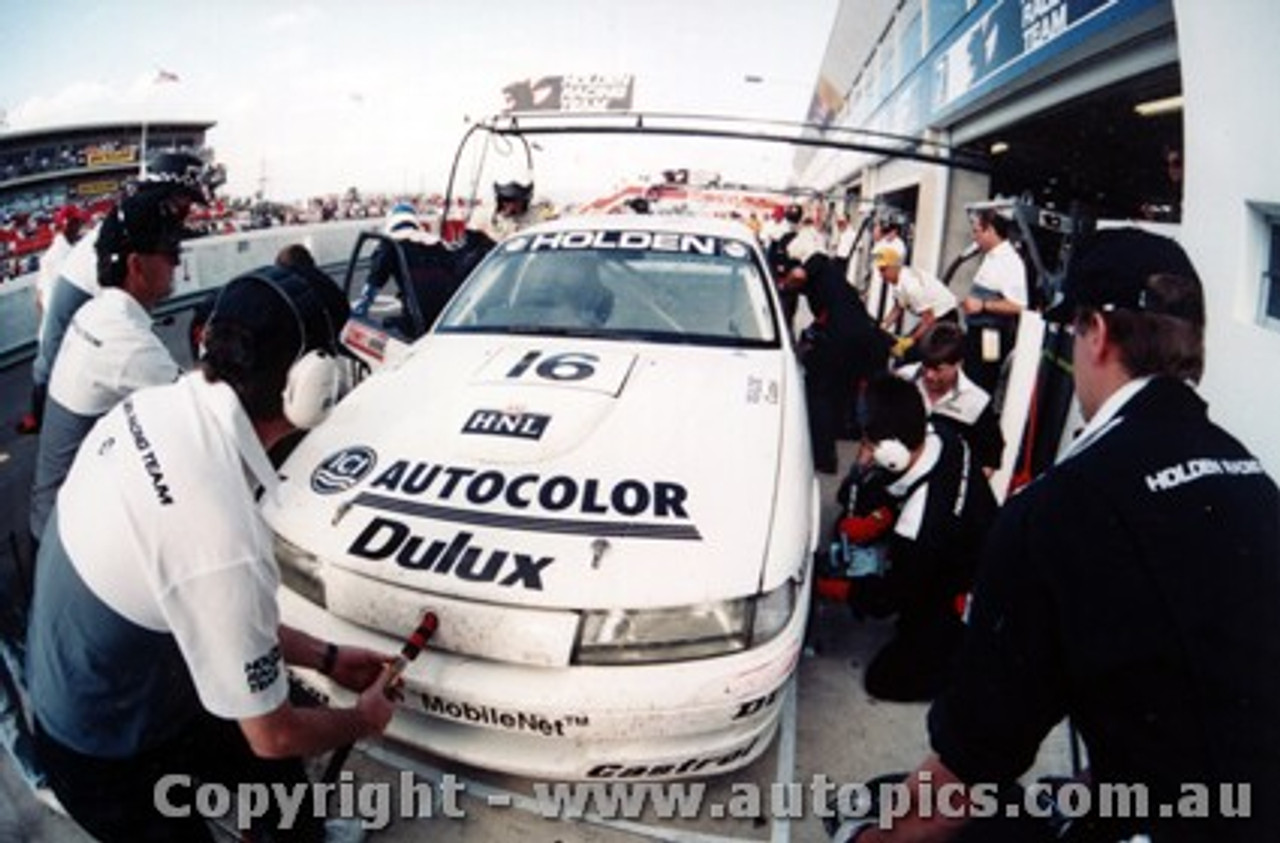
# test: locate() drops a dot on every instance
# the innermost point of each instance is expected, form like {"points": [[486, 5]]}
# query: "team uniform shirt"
{"points": [[989, 337], [1133, 588], [109, 351], [50, 266], [944, 514], [967, 409], [156, 581], [944, 508], [917, 292], [77, 282], [845, 243], [1001, 275]]}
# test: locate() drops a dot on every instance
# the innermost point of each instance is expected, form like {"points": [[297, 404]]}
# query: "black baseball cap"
{"points": [[286, 310], [1112, 270], [182, 173], [140, 224]]}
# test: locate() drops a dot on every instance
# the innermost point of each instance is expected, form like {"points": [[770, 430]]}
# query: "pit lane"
{"points": [[829, 727]]}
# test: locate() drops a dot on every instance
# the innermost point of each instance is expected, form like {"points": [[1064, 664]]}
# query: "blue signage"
{"points": [[994, 43]]}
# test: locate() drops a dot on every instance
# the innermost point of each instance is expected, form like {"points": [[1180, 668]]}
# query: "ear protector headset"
{"points": [[317, 379], [891, 455]]}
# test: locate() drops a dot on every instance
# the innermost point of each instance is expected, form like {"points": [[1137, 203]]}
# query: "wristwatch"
{"points": [[330, 659]]}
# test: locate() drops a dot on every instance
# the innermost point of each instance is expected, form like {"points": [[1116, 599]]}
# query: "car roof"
{"points": [[644, 222]]}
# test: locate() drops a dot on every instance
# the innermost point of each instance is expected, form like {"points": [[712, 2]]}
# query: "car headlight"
{"points": [[300, 571], [682, 633], [773, 611]]}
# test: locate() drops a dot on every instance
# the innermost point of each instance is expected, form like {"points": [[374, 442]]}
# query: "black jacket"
{"points": [[849, 342], [935, 561], [1135, 588], [433, 279]]}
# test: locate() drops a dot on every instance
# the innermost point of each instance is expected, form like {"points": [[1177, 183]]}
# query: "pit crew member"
{"points": [[951, 399], [155, 641], [432, 278], [943, 509], [110, 349], [1133, 588], [995, 301], [840, 350], [183, 179], [915, 292]]}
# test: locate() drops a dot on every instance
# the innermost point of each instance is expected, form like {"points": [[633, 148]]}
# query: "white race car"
{"points": [[595, 470]]}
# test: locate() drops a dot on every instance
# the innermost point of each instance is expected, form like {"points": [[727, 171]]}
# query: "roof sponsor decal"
{"points": [[342, 470], [650, 241]]}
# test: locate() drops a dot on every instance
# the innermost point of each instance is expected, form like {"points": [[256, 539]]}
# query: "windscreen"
{"points": [[655, 286]]}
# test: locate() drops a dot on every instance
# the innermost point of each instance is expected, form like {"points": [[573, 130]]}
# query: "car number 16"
{"points": [[568, 366]]}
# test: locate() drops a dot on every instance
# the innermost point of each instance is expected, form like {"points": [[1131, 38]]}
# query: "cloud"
{"points": [[73, 102], [319, 96], [80, 102], [291, 20]]}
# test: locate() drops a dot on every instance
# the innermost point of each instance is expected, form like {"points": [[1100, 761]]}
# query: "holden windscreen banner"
{"points": [[590, 92]]}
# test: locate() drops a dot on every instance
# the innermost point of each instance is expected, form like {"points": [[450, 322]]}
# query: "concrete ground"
{"points": [[829, 728]]}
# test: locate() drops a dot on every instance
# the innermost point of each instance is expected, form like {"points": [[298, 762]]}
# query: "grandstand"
{"points": [[43, 170]]}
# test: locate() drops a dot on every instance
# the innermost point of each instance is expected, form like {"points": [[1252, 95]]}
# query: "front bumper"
{"points": [[664, 721]]}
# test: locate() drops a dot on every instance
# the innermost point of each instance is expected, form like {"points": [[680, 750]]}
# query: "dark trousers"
{"points": [[827, 395], [915, 665], [117, 799], [38, 392]]}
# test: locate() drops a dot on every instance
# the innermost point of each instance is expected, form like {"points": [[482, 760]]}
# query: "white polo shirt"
{"points": [[108, 351], [917, 292], [50, 267], [158, 537], [80, 266], [77, 282], [1002, 271]]}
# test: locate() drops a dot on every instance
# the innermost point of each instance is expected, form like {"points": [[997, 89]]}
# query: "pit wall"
{"points": [[207, 262]]}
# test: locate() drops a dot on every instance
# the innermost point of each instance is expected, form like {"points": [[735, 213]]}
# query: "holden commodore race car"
{"points": [[595, 471]]}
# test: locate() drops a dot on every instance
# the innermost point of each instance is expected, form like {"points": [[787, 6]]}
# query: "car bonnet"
{"points": [[553, 472]]}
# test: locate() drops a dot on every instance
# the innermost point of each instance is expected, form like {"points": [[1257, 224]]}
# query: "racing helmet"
{"points": [[402, 220], [513, 191]]}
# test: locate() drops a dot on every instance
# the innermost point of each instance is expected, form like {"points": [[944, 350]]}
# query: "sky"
{"points": [[315, 96]]}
